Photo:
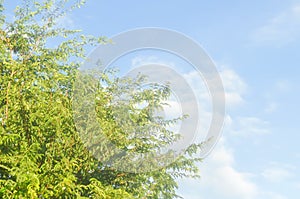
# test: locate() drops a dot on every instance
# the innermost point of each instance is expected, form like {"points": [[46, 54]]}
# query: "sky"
{"points": [[256, 48]]}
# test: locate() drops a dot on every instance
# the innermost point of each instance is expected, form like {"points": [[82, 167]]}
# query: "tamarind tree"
{"points": [[42, 154]]}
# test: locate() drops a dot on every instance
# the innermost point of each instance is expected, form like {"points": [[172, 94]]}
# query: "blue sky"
{"points": [[255, 45]]}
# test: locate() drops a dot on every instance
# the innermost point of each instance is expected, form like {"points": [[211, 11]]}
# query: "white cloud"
{"points": [[198, 85], [233, 84], [234, 87], [220, 178], [281, 29], [226, 179]]}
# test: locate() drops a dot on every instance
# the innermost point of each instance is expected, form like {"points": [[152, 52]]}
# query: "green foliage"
{"points": [[41, 153]]}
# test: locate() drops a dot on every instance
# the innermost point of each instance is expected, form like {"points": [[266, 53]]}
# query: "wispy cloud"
{"points": [[283, 85], [247, 126], [281, 29], [271, 107], [277, 174]]}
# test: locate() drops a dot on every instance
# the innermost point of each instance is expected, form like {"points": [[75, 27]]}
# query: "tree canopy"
{"points": [[42, 151]]}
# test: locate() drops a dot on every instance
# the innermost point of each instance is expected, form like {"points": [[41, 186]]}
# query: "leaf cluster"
{"points": [[43, 153]]}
